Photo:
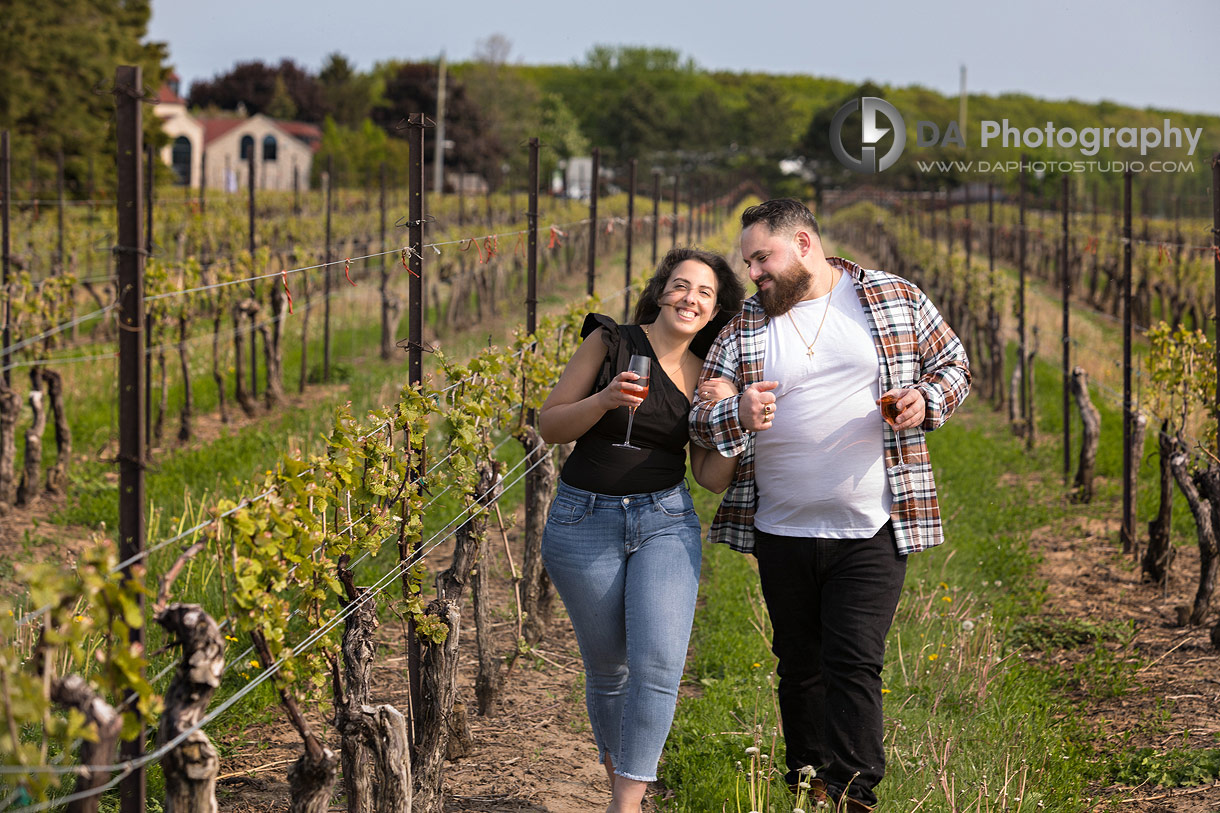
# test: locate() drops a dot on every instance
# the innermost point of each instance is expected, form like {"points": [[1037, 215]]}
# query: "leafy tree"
{"points": [[412, 87], [57, 65], [253, 84], [517, 109], [349, 96], [281, 105], [357, 153]]}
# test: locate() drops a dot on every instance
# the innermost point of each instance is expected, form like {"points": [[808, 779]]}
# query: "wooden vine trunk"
{"points": [[191, 767], [1160, 553], [74, 692], [185, 430], [163, 403], [217, 375], [305, 333], [1090, 439], [536, 591], [273, 350], [439, 662], [996, 351], [438, 687], [391, 311], [1139, 428], [353, 693], [10, 410], [393, 793], [489, 681], [57, 475], [31, 479], [243, 398], [312, 777], [1200, 508], [1209, 557]]}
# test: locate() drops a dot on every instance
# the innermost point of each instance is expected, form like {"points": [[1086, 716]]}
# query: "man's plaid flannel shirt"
{"points": [[917, 350]]}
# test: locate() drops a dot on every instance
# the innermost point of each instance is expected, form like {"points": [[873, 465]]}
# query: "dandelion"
{"points": [[968, 625], [78, 618], [797, 810], [944, 586], [999, 583], [885, 691], [755, 665], [946, 598], [231, 638], [253, 664], [933, 656], [807, 770], [751, 751]]}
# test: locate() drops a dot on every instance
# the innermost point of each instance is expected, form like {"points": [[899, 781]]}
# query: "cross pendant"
{"points": [[809, 352]]}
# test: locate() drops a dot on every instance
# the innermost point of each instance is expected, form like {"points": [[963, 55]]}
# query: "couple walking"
{"points": [[778, 399]]}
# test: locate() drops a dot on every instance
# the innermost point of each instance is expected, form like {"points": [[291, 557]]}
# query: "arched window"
{"points": [[181, 161], [269, 148], [247, 147]]}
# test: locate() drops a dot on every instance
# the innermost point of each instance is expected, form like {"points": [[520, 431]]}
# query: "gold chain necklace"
{"points": [[809, 345]]}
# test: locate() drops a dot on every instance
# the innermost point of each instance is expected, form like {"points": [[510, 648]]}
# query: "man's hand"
{"points": [[717, 389], [757, 406], [911, 408]]}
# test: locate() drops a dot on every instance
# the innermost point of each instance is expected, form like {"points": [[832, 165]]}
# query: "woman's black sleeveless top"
{"points": [[660, 428]]}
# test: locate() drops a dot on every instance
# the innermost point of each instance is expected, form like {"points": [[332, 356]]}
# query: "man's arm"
{"points": [[945, 382], [714, 424]]}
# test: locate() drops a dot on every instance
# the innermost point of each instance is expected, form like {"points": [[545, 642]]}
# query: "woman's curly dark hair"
{"points": [[730, 293]]}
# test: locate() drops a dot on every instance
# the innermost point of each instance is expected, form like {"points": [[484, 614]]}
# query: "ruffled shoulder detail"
{"points": [[610, 329], [611, 337]]}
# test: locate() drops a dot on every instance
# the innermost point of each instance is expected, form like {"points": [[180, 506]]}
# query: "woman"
{"points": [[622, 542]]}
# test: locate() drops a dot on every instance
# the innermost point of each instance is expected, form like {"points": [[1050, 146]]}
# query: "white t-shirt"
{"points": [[820, 468]]}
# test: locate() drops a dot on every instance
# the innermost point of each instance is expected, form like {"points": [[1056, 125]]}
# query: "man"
{"points": [[828, 496]]}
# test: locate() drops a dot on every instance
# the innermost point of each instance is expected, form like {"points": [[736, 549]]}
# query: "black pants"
{"points": [[831, 603]]}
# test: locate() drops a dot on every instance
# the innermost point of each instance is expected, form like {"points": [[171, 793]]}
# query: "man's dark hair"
{"points": [[781, 216]]}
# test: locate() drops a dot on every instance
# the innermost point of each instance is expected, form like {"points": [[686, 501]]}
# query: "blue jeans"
{"points": [[627, 568]]}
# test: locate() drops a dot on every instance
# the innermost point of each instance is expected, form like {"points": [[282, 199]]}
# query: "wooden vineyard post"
{"points": [[630, 236], [6, 188], [674, 240], [534, 595], [994, 344], [415, 314], [330, 184], [656, 213], [1127, 526], [1025, 389], [250, 186], [1066, 281], [129, 84], [594, 186], [1090, 437]]}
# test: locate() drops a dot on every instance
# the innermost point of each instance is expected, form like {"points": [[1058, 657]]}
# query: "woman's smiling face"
{"points": [[689, 300]]}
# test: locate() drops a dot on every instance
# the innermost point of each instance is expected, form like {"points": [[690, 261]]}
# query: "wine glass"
{"points": [[890, 412], [640, 366]]}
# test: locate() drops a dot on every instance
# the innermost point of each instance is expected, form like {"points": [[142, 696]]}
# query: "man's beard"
{"points": [[785, 291]]}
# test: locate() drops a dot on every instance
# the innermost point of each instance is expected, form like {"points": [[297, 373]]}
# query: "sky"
{"points": [[1147, 54]]}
